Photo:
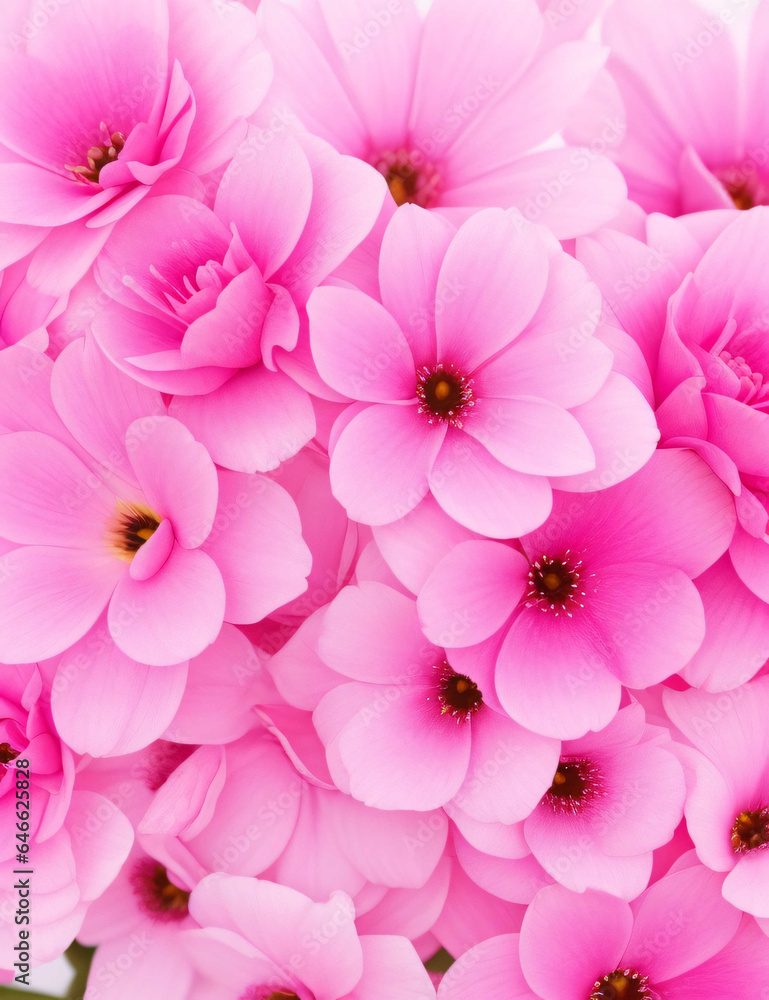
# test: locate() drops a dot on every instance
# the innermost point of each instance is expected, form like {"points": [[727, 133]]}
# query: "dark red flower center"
{"points": [[99, 155], [555, 584], [445, 395], [411, 178], [458, 695], [575, 782], [156, 892], [135, 524], [623, 984], [751, 831], [7, 753]]}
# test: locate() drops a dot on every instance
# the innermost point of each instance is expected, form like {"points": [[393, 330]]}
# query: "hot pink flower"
{"points": [[695, 124], [694, 302], [408, 726], [479, 380], [448, 108], [616, 797], [678, 940], [210, 300], [727, 805], [149, 529], [130, 97], [600, 596], [262, 940]]}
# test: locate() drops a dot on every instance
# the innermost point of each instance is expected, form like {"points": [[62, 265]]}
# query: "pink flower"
{"points": [[600, 596], [408, 726], [679, 939], [209, 301], [262, 940], [148, 529], [617, 795], [138, 95], [210, 816], [693, 301], [480, 380], [448, 108], [692, 130], [727, 805], [77, 839]]}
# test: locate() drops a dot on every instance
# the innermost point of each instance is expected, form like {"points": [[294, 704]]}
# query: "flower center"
{"points": [[7, 753], [444, 394], [99, 155], [158, 895], [574, 784], [135, 524], [751, 831], [554, 584], [752, 387], [624, 984], [458, 695], [410, 178]]}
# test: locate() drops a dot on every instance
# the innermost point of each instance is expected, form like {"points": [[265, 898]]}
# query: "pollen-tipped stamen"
{"points": [[458, 695], [99, 155], [622, 984], [134, 525], [751, 831], [445, 395], [556, 584]]}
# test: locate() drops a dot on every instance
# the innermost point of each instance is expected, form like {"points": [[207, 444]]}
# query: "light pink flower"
{"points": [[136, 96], [449, 109], [210, 816], [209, 300], [77, 839], [727, 804], [600, 596], [149, 529], [479, 380], [679, 939], [687, 114], [261, 940]]}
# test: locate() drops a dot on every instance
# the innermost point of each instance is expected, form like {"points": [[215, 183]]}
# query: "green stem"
{"points": [[79, 957], [6, 993]]}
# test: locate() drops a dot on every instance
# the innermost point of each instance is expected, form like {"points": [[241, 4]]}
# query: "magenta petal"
{"points": [[98, 402], [493, 278], [391, 967], [736, 642], [50, 598], [257, 546], [380, 463], [533, 436], [739, 430], [371, 633], [747, 884], [177, 476], [656, 630], [471, 593], [491, 971], [153, 553], [106, 704], [413, 248], [400, 752], [591, 931], [552, 677], [750, 558], [252, 423], [484, 495], [358, 347], [691, 901], [174, 615], [47, 495], [510, 769]]}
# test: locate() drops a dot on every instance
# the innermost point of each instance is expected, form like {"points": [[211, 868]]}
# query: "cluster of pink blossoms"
{"points": [[384, 493]]}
